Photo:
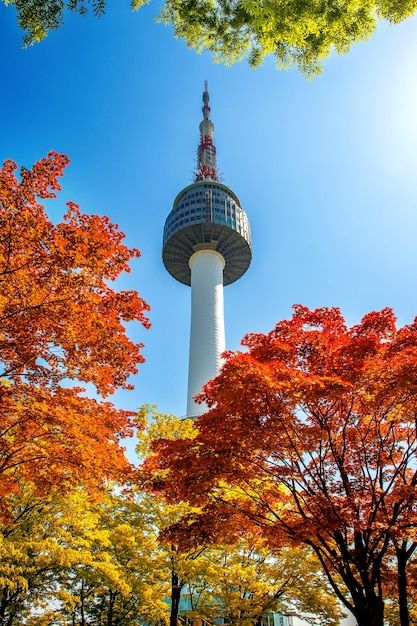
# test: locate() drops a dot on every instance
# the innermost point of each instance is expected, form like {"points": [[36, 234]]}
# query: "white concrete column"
{"points": [[207, 340]]}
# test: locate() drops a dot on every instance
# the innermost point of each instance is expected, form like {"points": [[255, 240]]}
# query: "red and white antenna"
{"points": [[206, 152]]}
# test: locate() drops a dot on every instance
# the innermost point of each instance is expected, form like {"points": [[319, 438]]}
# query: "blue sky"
{"points": [[326, 169]]}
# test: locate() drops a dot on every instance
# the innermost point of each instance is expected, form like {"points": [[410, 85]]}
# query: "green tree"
{"points": [[303, 33]]}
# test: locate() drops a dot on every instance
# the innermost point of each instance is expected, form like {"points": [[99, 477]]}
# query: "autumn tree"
{"points": [[218, 577], [314, 430], [243, 582], [301, 33], [41, 542], [61, 321], [183, 563], [123, 579], [68, 559]]}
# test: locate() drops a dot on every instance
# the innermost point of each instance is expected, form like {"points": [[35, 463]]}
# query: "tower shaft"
{"points": [[207, 337], [206, 245]]}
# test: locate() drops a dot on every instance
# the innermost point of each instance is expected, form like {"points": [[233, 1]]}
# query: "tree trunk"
{"points": [[369, 610], [176, 587], [365, 588], [402, 586], [3, 605], [82, 604], [10, 620], [8, 607], [111, 606]]}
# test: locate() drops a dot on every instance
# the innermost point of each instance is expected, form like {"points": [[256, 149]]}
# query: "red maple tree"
{"points": [[312, 435], [61, 320]]}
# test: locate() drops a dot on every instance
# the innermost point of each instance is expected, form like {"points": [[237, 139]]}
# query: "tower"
{"points": [[206, 245]]}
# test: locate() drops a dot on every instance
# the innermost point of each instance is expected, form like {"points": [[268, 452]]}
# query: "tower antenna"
{"points": [[206, 151]]}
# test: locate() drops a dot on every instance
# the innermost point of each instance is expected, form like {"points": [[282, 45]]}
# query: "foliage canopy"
{"points": [[68, 559], [312, 436], [62, 323], [303, 33]]}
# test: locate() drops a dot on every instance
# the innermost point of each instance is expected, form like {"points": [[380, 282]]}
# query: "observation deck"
{"points": [[207, 216]]}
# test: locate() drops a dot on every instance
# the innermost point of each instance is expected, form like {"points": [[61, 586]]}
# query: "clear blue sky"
{"points": [[326, 170]]}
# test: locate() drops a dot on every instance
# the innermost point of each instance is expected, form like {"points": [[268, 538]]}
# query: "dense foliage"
{"points": [[303, 33], [312, 436], [70, 559], [62, 324]]}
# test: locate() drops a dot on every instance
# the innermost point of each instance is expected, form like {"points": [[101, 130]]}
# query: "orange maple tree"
{"points": [[312, 435], [61, 321]]}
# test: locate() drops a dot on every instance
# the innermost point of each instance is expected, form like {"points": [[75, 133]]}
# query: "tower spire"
{"points": [[206, 152]]}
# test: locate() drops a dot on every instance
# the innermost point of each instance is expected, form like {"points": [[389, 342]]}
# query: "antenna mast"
{"points": [[206, 152]]}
